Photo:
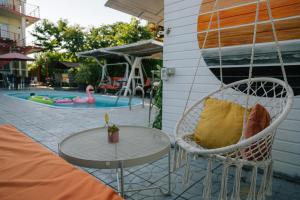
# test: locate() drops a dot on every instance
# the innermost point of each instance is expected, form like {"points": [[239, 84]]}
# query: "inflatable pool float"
{"points": [[41, 99], [66, 97], [89, 99], [80, 100], [63, 101]]}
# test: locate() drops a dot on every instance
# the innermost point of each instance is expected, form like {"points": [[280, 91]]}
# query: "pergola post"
{"points": [[137, 64], [103, 67]]}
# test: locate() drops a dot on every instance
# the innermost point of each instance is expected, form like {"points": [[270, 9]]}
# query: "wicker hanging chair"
{"points": [[274, 94]]}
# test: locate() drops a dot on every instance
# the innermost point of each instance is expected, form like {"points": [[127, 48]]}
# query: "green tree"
{"points": [[88, 73], [119, 33], [73, 39], [47, 35], [59, 42], [130, 33], [59, 37], [47, 61]]}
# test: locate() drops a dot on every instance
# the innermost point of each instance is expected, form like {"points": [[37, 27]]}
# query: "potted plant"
{"points": [[113, 134], [112, 131]]}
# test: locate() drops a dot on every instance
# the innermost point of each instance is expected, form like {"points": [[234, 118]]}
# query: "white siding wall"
{"points": [[181, 51]]}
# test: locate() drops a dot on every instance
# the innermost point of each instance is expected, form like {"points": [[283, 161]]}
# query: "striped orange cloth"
{"points": [[28, 171]]}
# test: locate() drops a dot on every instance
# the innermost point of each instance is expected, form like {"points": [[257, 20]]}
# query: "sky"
{"points": [[83, 12]]}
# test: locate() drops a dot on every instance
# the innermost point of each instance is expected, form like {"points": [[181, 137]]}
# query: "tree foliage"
{"points": [[119, 33], [63, 37], [158, 100], [47, 35], [88, 73]]}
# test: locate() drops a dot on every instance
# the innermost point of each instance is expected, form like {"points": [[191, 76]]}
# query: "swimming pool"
{"points": [[102, 101]]}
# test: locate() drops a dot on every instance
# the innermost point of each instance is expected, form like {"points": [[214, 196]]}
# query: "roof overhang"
{"points": [[150, 10], [146, 48]]}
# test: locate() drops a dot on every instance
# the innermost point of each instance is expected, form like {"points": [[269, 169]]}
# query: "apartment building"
{"points": [[15, 17]]}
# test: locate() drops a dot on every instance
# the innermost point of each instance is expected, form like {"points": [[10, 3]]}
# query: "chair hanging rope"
{"points": [[251, 67], [276, 42], [219, 42], [200, 57]]}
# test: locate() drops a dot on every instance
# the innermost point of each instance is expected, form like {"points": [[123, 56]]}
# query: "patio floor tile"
{"points": [[154, 194], [107, 175], [151, 173], [131, 182]]}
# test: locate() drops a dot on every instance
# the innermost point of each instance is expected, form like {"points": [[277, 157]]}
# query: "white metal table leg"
{"points": [[121, 183], [169, 172], [122, 179]]}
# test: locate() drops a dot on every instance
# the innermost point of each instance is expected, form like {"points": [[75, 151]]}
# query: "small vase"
{"points": [[113, 137]]}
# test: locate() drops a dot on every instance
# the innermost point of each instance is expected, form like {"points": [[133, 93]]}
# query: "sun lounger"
{"points": [[28, 171]]}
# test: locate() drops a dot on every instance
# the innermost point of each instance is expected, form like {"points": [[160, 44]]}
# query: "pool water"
{"points": [[102, 101]]}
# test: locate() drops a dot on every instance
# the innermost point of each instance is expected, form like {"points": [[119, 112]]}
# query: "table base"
{"points": [[120, 181]]}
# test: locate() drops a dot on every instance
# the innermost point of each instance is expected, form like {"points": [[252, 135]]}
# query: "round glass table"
{"points": [[137, 146]]}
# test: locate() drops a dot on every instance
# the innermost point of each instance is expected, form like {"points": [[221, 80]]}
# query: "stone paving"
{"points": [[48, 126]]}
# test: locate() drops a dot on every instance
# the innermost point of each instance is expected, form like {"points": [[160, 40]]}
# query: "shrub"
{"points": [[89, 73], [158, 103]]}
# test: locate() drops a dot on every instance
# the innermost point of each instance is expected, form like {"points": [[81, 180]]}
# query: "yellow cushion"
{"points": [[220, 124]]}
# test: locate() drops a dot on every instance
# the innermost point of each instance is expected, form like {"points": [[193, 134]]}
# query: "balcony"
{"points": [[13, 41], [21, 8], [9, 37]]}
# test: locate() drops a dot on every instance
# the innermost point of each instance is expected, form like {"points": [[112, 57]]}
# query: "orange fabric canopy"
{"points": [[28, 171]]}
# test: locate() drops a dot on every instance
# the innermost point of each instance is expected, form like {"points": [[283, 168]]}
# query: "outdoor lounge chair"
{"points": [[29, 171]]}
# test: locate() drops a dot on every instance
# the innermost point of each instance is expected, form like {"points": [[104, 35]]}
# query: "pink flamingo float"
{"points": [[64, 101], [89, 99]]}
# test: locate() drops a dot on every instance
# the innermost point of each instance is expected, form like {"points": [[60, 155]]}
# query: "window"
{"points": [[4, 30]]}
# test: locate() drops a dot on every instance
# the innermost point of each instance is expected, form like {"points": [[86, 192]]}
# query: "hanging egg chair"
{"points": [[275, 95]]}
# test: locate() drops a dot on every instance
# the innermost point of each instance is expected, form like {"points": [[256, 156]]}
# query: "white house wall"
{"points": [[181, 51]]}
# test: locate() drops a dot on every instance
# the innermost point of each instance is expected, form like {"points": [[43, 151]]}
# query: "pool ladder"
{"points": [[119, 93]]}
